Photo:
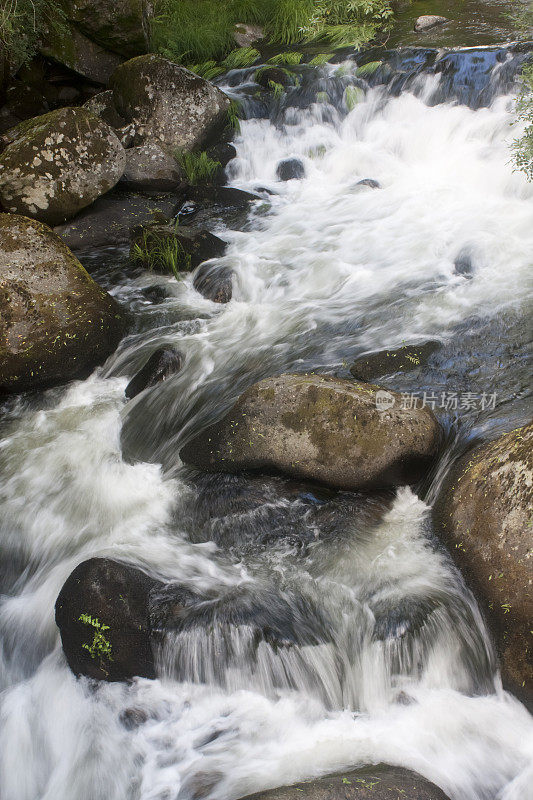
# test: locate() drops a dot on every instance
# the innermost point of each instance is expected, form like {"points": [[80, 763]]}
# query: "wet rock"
{"points": [[191, 246], [80, 54], [102, 613], [56, 323], [370, 182], [388, 362], [483, 513], [379, 782], [246, 35], [282, 619], [167, 103], [463, 264], [428, 21], [221, 195], [58, 164], [110, 220], [320, 428], [214, 282], [103, 106], [268, 75], [166, 361], [133, 718], [121, 26], [290, 169], [150, 168], [223, 153]]}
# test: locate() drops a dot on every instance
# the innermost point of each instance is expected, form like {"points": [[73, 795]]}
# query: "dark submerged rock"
{"points": [[114, 595], [166, 361], [379, 782], [387, 362], [464, 265], [267, 75], [323, 429], [370, 182], [214, 282], [290, 169], [110, 220], [121, 26], [483, 514], [56, 323]]}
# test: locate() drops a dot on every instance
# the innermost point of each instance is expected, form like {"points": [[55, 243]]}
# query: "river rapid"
{"points": [[324, 270]]}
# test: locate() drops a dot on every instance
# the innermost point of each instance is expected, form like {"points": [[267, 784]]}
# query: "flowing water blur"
{"points": [[390, 660]]}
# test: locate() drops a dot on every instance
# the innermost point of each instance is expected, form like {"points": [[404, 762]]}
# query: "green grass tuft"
{"points": [[161, 252], [241, 58], [291, 58], [198, 167]]}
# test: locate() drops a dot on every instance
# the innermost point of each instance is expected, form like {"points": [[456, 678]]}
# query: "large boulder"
{"points": [[167, 103], [102, 613], [380, 782], [80, 54], [338, 432], [121, 25], [56, 323], [58, 164], [151, 168], [483, 513]]}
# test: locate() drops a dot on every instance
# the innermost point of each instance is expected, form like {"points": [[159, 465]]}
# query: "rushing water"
{"points": [[387, 658]]}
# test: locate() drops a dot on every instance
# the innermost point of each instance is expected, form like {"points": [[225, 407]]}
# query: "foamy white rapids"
{"points": [[321, 251]]}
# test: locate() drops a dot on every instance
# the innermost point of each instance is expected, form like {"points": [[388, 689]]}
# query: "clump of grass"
{"points": [[208, 70], [160, 251], [352, 96], [366, 70], [197, 167], [291, 58], [522, 148], [277, 89], [241, 58], [320, 60], [235, 115]]}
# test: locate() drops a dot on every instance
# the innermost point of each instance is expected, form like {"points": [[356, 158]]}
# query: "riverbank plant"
{"points": [[160, 251], [198, 168], [199, 31], [523, 146], [22, 25]]}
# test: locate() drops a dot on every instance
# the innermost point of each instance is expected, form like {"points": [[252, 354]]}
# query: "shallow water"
{"points": [[401, 669]]}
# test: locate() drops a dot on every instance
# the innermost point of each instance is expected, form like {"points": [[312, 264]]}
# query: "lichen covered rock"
{"points": [[58, 164], [167, 103], [56, 323], [150, 168], [333, 431], [483, 513], [80, 54]]}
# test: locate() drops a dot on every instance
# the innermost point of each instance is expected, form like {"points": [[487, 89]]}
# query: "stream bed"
{"points": [[325, 270]]}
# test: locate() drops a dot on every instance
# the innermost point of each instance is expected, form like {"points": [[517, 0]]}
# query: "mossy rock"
{"points": [[379, 782], [168, 104], [121, 26], [484, 514], [70, 47], [320, 428], [59, 163], [56, 323]]}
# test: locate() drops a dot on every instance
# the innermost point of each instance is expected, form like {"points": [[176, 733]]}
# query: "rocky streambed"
{"points": [[265, 438]]}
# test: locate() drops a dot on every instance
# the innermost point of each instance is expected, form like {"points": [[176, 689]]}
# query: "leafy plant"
{"points": [[368, 69], [320, 59], [522, 148], [198, 167], [100, 647], [22, 24]]}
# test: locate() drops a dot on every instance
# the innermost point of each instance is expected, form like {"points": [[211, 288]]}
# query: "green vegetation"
{"points": [[100, 647], [198, 167], [161, 251], [22, 23], [523, 147], [201, 31]]}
